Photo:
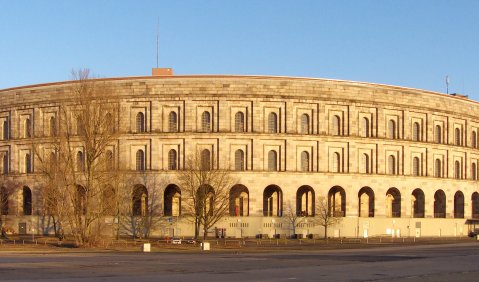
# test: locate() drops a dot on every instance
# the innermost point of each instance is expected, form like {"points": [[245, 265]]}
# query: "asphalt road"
{"points": [[452, 262]]}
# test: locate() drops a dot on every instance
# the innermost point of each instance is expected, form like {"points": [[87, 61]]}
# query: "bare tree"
{"points": [[74, 161], [55, 189], [205, 191], [292, 217], [325, 216]]}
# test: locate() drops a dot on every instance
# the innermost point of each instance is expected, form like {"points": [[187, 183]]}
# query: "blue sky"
{"points": [[412, 43]]}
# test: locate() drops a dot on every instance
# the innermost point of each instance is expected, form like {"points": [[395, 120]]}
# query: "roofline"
{"points": [[238, 76]]}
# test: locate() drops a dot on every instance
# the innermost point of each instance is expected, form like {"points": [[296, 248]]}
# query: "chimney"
{"points": [[161, 71]]}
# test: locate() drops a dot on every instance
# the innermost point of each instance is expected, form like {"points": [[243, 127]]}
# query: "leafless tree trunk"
{"points": [[205, 191], [290, 215], [324, 216]]}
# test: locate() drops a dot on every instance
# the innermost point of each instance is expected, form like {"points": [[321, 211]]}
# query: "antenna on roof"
{"points": [[447, 84], [159, 71], [157, 41]]}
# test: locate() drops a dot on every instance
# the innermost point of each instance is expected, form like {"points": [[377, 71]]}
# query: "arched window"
{"points": [[239, 160], [474, 171], [365, 132], [365, 164], [272, 123], [27, 201], [5, 130], [416, 167], [5, 163], [437, 168], [305, 161], [336, 162], [172, 122], [416, 132], [53, 126], [272, 160], [3, 201], [239, 122], [109, 123], [80, 126], [205, 159], [28, 128], [391, 165], [140, 122], [140, 160], [304, 124], [109, 160], [392, 129], [438, 134], [28, 163], [80, 200], [474, 139], [457, 170], [457, 137], [206, 121], [80, 161], [336, 127], [172, 158]]}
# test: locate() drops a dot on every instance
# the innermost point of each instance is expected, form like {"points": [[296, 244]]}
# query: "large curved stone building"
{"points": [[390, 160]]}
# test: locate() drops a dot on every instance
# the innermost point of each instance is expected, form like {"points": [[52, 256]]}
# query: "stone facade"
{"points": [[391, 160]]}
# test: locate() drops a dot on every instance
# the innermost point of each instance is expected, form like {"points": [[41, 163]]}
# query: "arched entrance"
{"points": [[109, 201], [205, 200], [475, 205], [366, 202], [459, 205], [272, 201], [439, 204], [417, 203], [393, 203], [139, 200], [337, 201], [172, 200], [305, 201], [239, 200]]}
